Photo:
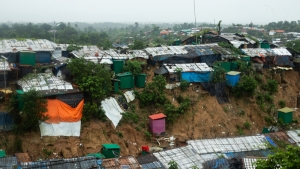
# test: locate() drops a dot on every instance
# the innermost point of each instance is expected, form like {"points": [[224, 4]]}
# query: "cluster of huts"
{"points": [[20, 60], [231, 152]]}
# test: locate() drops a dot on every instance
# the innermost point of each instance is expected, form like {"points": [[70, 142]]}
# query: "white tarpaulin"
{"points": [[129, 96], [61, 129], [112, 110]]}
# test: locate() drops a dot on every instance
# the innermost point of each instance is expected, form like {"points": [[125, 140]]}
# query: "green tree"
{"points": [[137, 44], [173, 165], [153, 93], [34, 109], [133, 66], [92, 78], [246, 86], [287, 158]]}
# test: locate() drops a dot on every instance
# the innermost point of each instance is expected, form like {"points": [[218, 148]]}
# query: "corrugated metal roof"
{"points": [[44, 82], [13, 45]]}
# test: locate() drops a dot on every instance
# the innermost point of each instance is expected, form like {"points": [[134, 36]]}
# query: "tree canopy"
{"points": [[287, 158], [92, 78]]}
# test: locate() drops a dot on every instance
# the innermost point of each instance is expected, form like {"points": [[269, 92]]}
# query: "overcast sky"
{"points": [[144, 11]]}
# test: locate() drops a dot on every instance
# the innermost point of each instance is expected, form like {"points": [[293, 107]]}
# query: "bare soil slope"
{"points": [[205, 119]]}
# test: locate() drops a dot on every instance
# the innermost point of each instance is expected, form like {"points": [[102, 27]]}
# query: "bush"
{"points": [[130, 117], [153, 93], [173, 112], [180, 99], [246, 86], [91, 111], [281, 103], [247, 125], [272, 86], [148, 135], [133, 66], [184, 84]]}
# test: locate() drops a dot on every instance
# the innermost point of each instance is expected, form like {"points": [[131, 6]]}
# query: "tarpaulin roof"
{"points": [[281, 52], [65, 163], [112, 110], [188, 67], [185, 157], [59, 111], [8, 162], [4, 65], [236, 144], [13, 45], [45, 82], [162, 70], [149, 161], [257, 52], [294, 134], [93, 53]]}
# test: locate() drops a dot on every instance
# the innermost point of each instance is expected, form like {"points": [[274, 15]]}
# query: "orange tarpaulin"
{"points": [[59, 111]]}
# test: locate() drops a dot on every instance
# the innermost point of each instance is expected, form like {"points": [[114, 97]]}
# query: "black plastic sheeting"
{"points": [[217, 90], [283, 61], [210, 59], [297, 66], [72, 99]]}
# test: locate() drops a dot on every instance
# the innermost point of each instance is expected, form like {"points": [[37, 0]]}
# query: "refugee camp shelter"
{"points": [[4, 71], [237, 40], [93, 54], [286, 114], [232, 78], [157, 123], [64, 103], [13, 49], [282, 57], [129, 162], [191, 72], [149, 161]]}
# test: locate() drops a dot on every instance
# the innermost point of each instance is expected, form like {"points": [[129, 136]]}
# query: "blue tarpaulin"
{"points": [[195, 76], [6, 121], [270, 141]]}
